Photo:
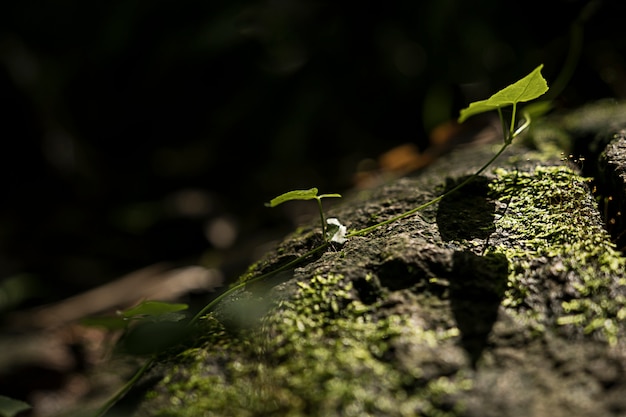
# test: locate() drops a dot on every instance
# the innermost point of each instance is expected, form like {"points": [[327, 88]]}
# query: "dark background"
{"points": [[130, 128]]}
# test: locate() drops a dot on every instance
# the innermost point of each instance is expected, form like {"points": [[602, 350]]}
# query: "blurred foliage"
{"points": [[130, 127], [10, 407]]}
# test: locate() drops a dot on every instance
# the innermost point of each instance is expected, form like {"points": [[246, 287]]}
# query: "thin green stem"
{"points": [[512, 124], [127, 386], [523, 126], [319, 205], [508, 139], [141, 371], [433, 201], [234, 288]]}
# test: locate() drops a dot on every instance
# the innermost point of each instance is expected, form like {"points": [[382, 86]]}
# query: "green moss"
{"points": [[321, 353], [553, 229]]}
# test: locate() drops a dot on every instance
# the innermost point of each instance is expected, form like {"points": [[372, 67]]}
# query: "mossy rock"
{"points": [[506, 299]]}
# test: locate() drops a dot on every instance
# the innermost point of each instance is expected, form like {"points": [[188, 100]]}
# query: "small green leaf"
{"points": [[528, 88], [10, 407], [309, 194], [153, 308]]}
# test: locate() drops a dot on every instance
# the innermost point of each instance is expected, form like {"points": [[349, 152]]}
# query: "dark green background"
{"points": [[111, 108]]}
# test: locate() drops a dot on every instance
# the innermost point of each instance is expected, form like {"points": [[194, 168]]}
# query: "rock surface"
{"points": [[612, 172], [506, 299]]}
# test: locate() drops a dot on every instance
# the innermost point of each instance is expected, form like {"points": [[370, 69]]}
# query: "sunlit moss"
{"points": [[321, 353], [552, 225]]}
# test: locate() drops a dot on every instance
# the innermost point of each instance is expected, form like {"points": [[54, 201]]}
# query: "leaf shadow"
{"points": [[468, 213], [477, 282], [477, 286]]}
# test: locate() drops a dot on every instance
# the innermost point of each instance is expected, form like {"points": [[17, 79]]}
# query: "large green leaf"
{"points": [[528, 88]]}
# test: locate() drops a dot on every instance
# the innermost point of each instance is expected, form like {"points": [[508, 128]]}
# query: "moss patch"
{"points": [[322, 353], [554, 232]]}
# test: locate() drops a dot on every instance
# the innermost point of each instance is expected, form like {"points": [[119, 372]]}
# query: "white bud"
{"points": [[339, 235]]}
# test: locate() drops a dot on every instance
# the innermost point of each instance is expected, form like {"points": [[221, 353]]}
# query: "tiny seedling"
{"points": [[310, 194]]}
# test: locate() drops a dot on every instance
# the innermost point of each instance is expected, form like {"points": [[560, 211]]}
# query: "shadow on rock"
{"points": [[477, 286], [477, 283], [467, 213]]}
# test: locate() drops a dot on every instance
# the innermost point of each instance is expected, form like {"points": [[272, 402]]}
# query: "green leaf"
{"points": [[309, 194], [528, 88], [153, 308], [10, 407]]}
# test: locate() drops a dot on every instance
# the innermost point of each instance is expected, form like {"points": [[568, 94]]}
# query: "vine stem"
{"points": [[241, 285], [319, 205], [508, 139], [100, 412], [431, 202], [125, 388]]}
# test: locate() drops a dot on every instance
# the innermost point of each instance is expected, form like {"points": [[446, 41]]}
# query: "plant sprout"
{"points": [[309, 194], [528, 88]]}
